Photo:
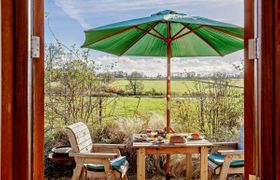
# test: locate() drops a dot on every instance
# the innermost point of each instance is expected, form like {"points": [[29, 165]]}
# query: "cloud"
{"points": [[81, 10], [71, 9], [155, 66]]}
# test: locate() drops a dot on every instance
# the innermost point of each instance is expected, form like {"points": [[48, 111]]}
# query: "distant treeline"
{"points": [[174, 75]]}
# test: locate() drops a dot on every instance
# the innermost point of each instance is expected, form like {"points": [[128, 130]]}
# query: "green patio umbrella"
{"points": [[167, 34]]}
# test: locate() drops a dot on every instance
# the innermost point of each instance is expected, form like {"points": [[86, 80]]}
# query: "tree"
{"points": [[73, 90], [135, 85]]}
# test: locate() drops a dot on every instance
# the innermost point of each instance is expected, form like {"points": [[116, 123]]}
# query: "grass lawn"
{"points": [[128, 106]]}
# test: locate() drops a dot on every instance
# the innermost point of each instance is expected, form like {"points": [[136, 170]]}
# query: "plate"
{"points": [[190, 138]]}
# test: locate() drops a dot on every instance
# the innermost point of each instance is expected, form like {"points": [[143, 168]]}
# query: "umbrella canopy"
{"points": [[190, 35], [167, 34]]}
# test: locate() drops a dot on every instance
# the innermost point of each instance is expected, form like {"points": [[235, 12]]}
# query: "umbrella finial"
{"points": [[165, 12]]}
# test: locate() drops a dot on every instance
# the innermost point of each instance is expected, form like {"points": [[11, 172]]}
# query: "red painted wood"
{"points": [[190, 31], [156, 31], [225, 32], [148, 32], [277, 90], [107, 37], [7, 91], [249, 91], [132, 44], [267, 93], [193, 31], [38, 95], [20, 45], [175, 35]]}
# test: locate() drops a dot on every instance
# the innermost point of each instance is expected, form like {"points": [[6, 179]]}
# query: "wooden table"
{"points": [[188, 148]]}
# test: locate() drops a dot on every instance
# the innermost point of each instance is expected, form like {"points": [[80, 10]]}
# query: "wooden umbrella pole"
{"points": [[168, 91]]}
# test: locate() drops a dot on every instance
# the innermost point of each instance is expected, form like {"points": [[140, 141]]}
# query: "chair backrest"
{"points": [[79, 137], [240, 143]]}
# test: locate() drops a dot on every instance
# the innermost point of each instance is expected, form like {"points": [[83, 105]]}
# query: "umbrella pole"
{"points": [[168, 92]]}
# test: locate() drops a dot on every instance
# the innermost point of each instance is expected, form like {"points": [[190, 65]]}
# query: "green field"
{"points": [[177, 86], [128, 106]]}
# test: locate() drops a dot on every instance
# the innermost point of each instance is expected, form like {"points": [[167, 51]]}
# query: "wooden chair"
{"points": [[97, 161], [227, 158]]}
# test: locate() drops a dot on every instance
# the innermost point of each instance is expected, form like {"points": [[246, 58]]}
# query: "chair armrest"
{"points": [[96, 155], [234, 154], [223, 146], [109, 146]]}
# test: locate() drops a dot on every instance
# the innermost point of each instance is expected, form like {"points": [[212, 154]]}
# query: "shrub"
{"points": [[215, 111]]}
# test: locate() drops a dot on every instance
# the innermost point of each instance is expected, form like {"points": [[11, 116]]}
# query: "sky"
{"points": [[69, 18]]}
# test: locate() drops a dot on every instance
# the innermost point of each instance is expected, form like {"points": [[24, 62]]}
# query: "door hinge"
{"points": [[254, 48], [35, 47], [253, 177]]}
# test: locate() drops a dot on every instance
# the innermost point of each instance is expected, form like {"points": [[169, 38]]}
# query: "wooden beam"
{"points": [[172, 150], [145, 31], [174, 36], [7, 90], [266, 89], [153, 28], [122, 31], [132, 44], [20, 114], [203, 163], [141, 158], [277, 88], [225, 32], [208, 43], [190, 31], [249, 102], [38, 95]]}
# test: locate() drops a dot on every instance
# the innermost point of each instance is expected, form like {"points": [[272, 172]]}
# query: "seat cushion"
{"points": [[219, 160], [116, 164]]}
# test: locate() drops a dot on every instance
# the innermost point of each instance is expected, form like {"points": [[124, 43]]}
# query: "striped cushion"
{"points": [[219, 160], [116, 164]]}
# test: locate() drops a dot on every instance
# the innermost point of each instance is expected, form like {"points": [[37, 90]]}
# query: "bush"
{"points": [[216, 111]]}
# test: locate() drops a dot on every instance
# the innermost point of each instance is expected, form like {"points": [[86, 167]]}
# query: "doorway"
{"points": [[268, 166], [47, 28]]}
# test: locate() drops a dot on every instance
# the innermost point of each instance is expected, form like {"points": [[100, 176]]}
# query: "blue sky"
{"points": [[69, 18]]}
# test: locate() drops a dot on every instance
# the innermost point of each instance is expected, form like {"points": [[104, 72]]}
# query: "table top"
{"points": [[189, 143]]}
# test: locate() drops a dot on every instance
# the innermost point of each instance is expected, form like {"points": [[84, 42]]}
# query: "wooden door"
{"points": [[22, 114], [249, 98], [15, 130], [268, 94], [7, 90], [38, 94]]}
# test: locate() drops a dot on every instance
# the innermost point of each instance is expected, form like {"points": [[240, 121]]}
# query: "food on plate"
{"points": [[154, 134], [160, 132], [177, 139], [195, 136], [149, 130]]}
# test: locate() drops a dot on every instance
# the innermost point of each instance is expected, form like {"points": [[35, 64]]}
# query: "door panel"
{"points": [[7, 90], [249, 102], [277, 89], [38, 94], [268, 89], [20, 90], [17, 142]]}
